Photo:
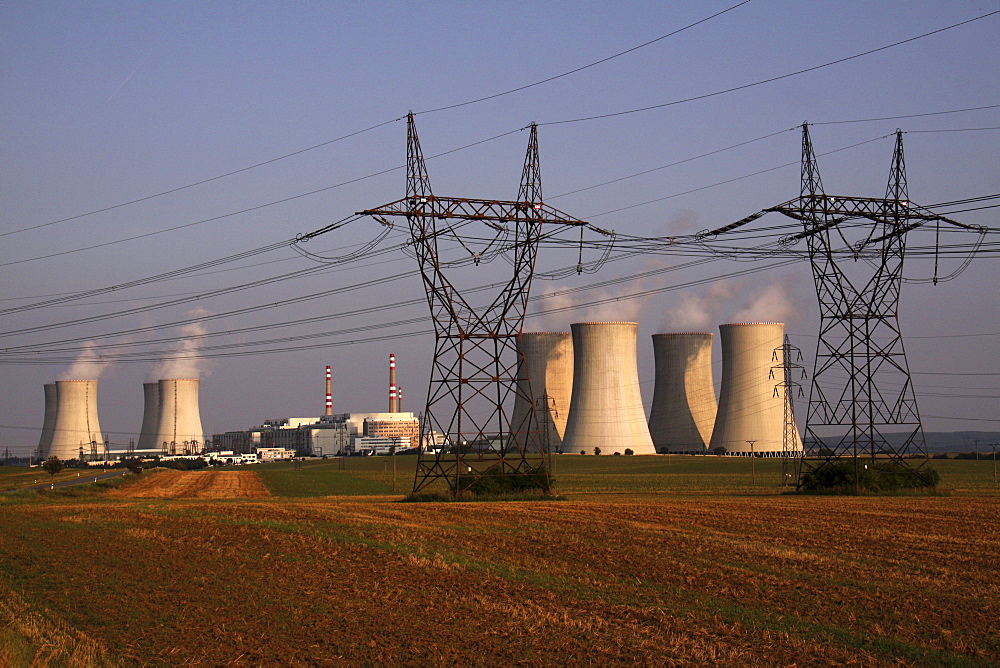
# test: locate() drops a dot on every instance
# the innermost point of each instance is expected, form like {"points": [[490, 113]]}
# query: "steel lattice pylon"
{"points": [[476, 363], [791, 446], [861, 387]]}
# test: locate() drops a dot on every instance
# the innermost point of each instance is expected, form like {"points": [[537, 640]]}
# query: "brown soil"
{"points": [[640, 581], [196, 485]]}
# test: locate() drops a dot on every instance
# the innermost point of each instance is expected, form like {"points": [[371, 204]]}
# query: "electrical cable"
{"points": [[771, 79]]}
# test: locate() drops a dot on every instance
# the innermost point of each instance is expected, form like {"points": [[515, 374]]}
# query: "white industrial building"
{"points": [[341, 434]]}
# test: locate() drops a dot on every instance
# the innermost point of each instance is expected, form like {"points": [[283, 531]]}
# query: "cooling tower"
{"points": [[150, 417], [49, 421], [180, 418], [684, 406], [76, 423], [547, 377], [606, 409], [749, 408]]}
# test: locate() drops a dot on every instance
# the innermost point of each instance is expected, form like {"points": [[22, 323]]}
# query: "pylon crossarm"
{"points": [[499, 211]]}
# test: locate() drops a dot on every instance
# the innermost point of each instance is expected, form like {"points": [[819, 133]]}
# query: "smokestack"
{"points": [[684, 406], [606, 410], [544, 380], [76, 424], [393, 403], [180, 417], [329, 393], [49, 421], [150, 417], [749, 408], [399, 399]]}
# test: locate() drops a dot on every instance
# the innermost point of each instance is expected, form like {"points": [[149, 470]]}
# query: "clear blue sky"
{"points": [[102, 103]]}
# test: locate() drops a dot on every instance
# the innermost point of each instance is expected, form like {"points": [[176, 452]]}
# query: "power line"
{"points": [[584, 67], [369, 129], [896, 118], [771, 79]]}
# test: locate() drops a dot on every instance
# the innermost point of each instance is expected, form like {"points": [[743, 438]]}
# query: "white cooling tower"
{"points": [[684, 405], [749, 408], [49, 421], [76, 425], [547, 378], [150, 417], [179, 429], [606, 410]]}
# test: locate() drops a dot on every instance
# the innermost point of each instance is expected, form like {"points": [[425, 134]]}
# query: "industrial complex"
{"points": [[579, 390]]}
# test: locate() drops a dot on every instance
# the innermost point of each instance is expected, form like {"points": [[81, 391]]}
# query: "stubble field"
{"points": [[605, 577]]}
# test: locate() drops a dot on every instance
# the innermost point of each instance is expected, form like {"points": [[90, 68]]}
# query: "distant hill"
{"points": [[953, 441]]}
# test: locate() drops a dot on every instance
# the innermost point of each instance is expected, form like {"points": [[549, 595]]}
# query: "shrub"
{"points": [[628, 451], [597, 451], [720, 450], [497, 482], [874, 476]]}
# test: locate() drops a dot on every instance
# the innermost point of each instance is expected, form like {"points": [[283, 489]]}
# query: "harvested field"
{"points": [[196, 485], [628, 579]]}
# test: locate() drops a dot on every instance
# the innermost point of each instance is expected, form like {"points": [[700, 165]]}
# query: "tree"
{"points": [[597, 451], [134, 465], [720, 450], [52, 465], [629, 451]]}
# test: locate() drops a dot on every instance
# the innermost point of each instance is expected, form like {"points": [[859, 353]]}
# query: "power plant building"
{"points": [[545, 380], [751, 413], [339, 434], [76, 428], [684, 405], [606, 412]]}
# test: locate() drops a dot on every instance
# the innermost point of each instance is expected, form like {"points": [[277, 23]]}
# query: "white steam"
{"points": [[734, 300], [87, 366], [182, 361]]}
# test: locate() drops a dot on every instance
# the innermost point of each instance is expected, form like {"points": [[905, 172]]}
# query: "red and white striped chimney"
{"points": [[329, 393], [399, 399], [392, 384]]}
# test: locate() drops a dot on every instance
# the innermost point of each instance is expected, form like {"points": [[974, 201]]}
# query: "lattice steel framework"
{"points": [[861, 387], [476, 362], [788, 358]]}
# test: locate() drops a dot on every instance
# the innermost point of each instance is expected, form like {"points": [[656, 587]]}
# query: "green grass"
{"points": [[360, 476], [589, 474]]}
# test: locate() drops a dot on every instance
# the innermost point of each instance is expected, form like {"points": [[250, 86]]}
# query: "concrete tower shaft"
{"points": [[606, 410], [49, 421], [684, 405], [545, 380], [749, 407], [150, 417], [76, 424], [179, 430]]}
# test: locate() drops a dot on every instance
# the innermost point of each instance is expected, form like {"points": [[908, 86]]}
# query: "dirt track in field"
{"points": [[197, 485]]}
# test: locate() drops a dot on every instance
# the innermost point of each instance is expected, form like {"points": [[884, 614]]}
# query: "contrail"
{"points": [[122, 84]]}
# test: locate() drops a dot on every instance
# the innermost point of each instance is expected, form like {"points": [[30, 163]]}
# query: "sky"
{"points": [[141, 138]]}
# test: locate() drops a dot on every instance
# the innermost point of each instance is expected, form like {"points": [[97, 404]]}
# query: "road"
{"points": [[85, 477]]}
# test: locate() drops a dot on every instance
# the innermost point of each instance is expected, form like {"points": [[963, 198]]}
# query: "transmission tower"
{"points": [[791, 444], [861, 387], [476, 362]]}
